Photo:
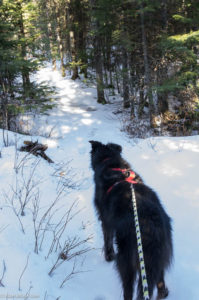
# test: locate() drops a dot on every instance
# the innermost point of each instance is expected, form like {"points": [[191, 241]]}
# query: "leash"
{"points": [[140, 249], [130, 179]]}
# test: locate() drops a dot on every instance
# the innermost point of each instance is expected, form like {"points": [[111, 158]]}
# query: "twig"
{"points": [[65, 253], [23, 271], [3, 228], [64, 173], [3, 273], [28, 186], [28, 293], [46, 295], [72, 273], [11, 202], [38, 228]]}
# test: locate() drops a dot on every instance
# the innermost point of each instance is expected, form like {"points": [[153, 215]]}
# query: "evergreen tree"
{"points": [[19, 57]]}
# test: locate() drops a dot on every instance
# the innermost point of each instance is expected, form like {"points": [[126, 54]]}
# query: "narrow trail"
{"points": [[77, 113], [77, 118]]}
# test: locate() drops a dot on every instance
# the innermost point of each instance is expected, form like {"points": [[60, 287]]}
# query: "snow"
{"points": [[169, 165]]}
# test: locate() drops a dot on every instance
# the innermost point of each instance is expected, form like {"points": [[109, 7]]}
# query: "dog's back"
{"points": [[115, 209]]}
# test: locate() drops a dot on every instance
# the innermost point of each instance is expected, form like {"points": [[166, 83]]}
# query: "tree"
{"points": [[19, 57]]}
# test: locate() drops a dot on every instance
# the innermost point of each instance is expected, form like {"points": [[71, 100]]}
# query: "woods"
{"points": [[145, 51], [123, 72]]}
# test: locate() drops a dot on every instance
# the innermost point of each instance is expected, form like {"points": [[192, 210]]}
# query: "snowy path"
{"points": [[169, 165]]}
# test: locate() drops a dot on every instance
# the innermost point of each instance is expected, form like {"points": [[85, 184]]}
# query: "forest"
{"points": [[123, 72], [145, 51]]}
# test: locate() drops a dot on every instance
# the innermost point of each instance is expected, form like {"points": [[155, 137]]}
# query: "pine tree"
{"points": [[19, 57]]}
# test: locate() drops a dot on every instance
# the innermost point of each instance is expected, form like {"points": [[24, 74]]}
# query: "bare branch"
{"points": [[3, 273], [67, 252], [28, 293], [26, 265], [73, 272], [11, 202]]}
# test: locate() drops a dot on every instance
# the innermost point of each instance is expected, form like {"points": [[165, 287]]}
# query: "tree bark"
{"points": [[164, 14], [125, 79], [59, 29], [25, 72], [73, 45], [146, 66], [99, 71], [50, 34]]}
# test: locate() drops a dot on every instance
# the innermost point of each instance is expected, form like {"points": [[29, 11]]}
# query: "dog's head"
{"points": [[101, 152]]}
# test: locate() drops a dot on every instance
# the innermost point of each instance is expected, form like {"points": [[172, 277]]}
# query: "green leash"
{"points": [[140, 249]]}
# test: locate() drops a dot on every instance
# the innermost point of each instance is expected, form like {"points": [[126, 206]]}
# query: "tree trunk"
{"points": [[25, 72], [116, 77], [99, 71], [125, 79], [164, 14], [74, 56], [146, 67], [50, 33], [98, 56], [83, 20], [59, 38], [142, 102]]}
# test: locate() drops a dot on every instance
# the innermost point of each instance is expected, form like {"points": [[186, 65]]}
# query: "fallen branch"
{"points": [[36, 149]]}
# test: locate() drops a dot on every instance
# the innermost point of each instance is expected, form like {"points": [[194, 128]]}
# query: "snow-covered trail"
{"points": [[78, 116], [169, 165]]}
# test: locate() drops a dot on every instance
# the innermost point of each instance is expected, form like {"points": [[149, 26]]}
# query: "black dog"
{"points": [[113, 200]]}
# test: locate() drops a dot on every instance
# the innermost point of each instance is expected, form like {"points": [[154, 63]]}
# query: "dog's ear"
{"points": [[115, 147], [95, 144]]}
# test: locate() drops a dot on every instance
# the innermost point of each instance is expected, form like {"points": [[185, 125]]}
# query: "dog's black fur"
{"points": [[115, 210]]}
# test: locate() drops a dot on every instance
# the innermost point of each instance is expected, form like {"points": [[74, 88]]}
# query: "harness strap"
{"points": [[129, 178], [140, 249]]}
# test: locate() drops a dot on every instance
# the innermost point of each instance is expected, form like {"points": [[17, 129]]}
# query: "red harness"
{"points": [[129, 178]]}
